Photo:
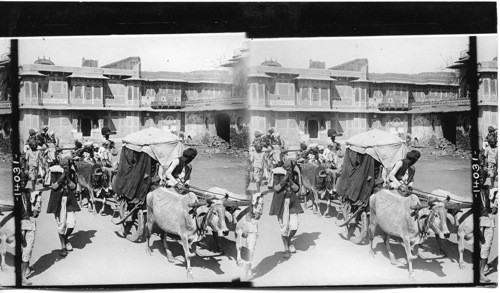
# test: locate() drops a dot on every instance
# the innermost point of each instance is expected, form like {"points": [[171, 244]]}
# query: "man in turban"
{"points": [[258, 138], [285, 204], [401, 176], [492, 135], [257, 161], [62, 202]]}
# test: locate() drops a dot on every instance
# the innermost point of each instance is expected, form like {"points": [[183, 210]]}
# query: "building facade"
{"points": [[76, 102], [5, 97], [487, 96], [303, 103]]}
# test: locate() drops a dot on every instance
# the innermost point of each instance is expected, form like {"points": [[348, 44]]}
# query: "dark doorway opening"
{"points": [[86, 126], [449, 126], [223, 126], [312, 128]]}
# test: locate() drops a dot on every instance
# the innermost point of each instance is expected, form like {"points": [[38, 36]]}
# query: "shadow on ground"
{"points": [[81, 238], [78, 240], [45, 262], [431, 263], [207, 256], [302, 242]]}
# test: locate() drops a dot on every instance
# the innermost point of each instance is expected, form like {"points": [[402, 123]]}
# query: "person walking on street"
{"points": [[257, 163], [30, 209], [285, 203], [62, 202], [33, 157]]}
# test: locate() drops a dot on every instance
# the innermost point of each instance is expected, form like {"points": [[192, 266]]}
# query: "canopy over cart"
{"points": [[384, 147], [160, 145]]}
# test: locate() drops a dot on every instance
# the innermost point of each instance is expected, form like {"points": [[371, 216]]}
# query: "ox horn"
{"points": [[419, 206]]}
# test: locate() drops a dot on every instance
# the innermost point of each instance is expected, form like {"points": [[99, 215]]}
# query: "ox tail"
{"points": [[352, 217]]}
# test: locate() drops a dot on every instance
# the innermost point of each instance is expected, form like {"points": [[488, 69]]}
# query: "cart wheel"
{"points": [[136, 227], [359, 229]]}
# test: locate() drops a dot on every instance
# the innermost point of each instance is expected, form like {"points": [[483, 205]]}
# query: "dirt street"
{"points": [[323, 256], [101, 256]]}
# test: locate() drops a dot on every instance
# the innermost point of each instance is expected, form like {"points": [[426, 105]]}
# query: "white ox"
{"points": [[407, 218], [184, 216]]}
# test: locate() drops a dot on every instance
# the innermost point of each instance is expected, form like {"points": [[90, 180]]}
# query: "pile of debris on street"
{"points": [[213, 145], [5, 150], [442, 147]]}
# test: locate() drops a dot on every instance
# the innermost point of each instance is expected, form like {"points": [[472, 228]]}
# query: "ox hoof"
{"points": [[412, 276], [170, 259], [190, 275], [371, 253], [3, 269], [394, 262], [148, 251], [461, 266]]}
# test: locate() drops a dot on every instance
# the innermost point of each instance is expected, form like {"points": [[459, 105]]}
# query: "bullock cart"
{"points": [[143, 155], [367, 155]]}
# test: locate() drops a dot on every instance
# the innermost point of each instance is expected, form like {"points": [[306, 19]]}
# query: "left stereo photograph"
{"points": [[7, 221]]}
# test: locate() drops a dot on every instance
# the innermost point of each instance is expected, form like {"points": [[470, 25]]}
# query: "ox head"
{"points": [[438, 221], [257, 205], [435, 215], [50, 155], [216, 217], [99, 178], [326, 179], [275, 156]]}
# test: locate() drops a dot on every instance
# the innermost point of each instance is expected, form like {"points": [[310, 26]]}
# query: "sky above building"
{"points": [[412, 54], [157, 52]]}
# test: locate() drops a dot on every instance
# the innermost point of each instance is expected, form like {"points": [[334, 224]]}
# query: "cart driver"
{"points": [[401, 176], [180, 169]]}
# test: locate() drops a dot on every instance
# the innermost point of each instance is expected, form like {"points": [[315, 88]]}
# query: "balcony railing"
{"points": [[280, 100], [217, 101], [167, 104], [460, 102], [5, 105], [393, 106]]}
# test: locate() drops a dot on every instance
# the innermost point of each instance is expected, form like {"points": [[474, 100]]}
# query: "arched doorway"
{"points": [[449, 126], [222, 126], [312, 128], [86, 126], [7, 127]]}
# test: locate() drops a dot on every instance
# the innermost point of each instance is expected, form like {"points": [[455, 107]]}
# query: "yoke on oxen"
{"points": [[242, 216]]}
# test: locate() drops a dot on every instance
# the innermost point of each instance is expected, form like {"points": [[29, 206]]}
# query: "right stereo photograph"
{"points": [[362, 148]]}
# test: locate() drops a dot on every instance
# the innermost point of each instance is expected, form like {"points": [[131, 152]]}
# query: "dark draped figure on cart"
{"points": [[361, 175], [134, 178]]}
